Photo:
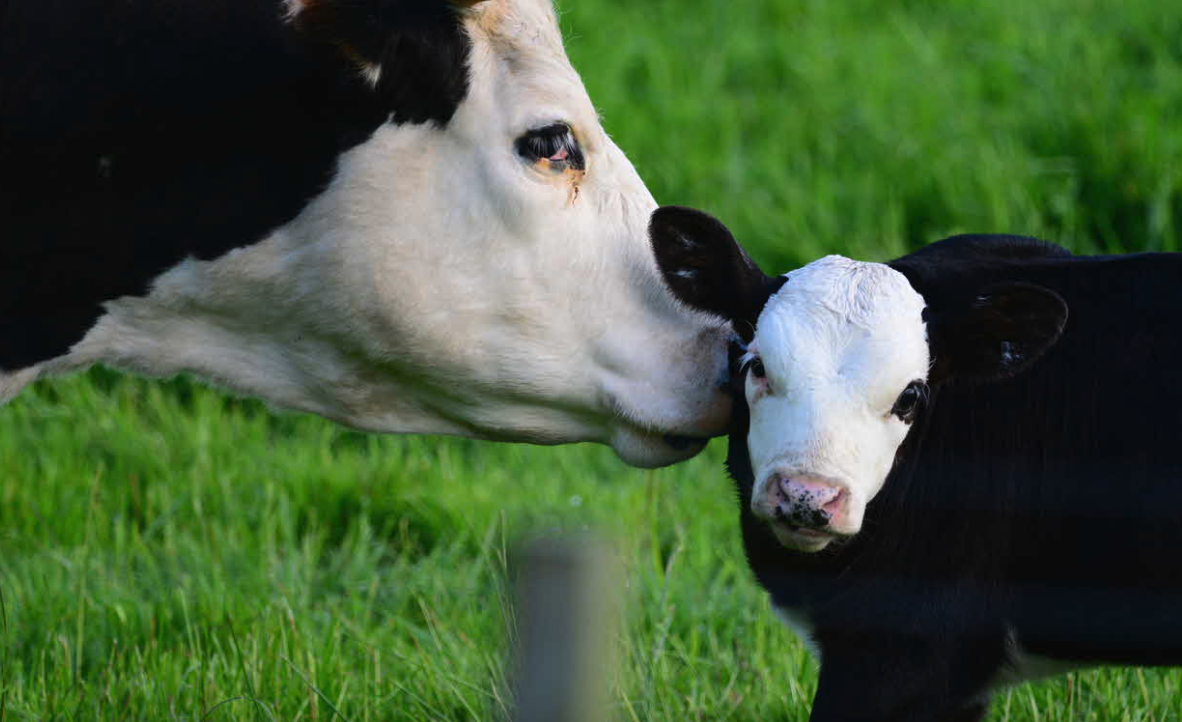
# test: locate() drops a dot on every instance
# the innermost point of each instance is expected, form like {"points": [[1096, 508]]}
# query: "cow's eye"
{"points": [[555, 145], [910, 401]]}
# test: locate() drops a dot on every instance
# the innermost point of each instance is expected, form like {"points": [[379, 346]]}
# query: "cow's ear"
{"points": [[996, 334], [413, 53], [707, 269]]}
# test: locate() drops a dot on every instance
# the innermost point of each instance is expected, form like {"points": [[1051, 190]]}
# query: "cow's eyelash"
{"points": [[555, 143]]}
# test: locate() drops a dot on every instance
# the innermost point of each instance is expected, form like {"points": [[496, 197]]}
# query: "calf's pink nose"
{"points": [[805, 501]]}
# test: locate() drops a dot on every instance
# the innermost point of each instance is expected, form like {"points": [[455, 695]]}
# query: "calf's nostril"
{"points": [[805, 502], [833, 506]]}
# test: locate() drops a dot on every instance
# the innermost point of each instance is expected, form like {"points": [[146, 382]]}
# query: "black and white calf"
{"points": [[946, 484], [403, 215]]}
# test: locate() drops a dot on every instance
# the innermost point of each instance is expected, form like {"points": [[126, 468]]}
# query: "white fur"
{"points": [[839, 342], [372, 72], [292, 8], [441, 284]]}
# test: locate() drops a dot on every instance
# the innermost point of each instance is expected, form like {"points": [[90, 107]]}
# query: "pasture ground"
{"points": [[168, 553]]}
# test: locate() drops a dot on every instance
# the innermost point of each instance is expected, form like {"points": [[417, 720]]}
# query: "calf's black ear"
{"points": [[996, 334], [707, 269]]}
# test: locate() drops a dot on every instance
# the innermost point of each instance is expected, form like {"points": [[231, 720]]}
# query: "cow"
{"points": [[956, 470], [402, 215]]}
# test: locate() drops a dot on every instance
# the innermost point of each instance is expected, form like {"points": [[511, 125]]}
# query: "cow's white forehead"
{"points": [[522, 33], [520, 68], [526, 22]]}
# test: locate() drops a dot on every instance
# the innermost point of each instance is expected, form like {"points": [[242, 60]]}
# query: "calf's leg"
{"points": [[893, 679]]}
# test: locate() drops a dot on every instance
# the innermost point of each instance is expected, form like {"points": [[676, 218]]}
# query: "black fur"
{"points": [[135, 133], [1047, 504], [707, 269], [993, 332], [419, 44]]}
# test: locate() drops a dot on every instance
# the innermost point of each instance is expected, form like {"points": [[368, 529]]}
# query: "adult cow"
{"points": [[944, 483], [403, 215]]}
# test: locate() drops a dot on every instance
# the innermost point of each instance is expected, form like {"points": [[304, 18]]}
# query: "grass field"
{"points": [[167, 553]]}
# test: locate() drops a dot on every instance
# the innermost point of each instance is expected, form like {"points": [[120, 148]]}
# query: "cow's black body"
{"points": [[135, 133], [1043, 510]]}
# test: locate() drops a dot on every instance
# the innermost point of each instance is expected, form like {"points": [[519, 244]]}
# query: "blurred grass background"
{"points": [[167, 553]]}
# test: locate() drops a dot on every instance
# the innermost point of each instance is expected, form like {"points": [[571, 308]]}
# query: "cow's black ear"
{"points": [[707, 269], [413, 53], [996, 334]]}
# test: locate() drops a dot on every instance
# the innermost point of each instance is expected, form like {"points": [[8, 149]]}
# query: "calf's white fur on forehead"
{"points": [[839, 343], [844, 296]]}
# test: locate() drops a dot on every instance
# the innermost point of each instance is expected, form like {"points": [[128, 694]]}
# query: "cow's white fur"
{"points": [[442, 285], [839, 343]]}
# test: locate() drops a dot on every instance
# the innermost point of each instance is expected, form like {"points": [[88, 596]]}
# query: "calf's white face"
{"points": [[838, 362]]}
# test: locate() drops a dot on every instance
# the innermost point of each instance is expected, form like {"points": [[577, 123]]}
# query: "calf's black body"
{"points": [[1035, 515]]}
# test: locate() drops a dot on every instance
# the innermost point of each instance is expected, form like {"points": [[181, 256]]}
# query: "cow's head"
{"points": [[838, 367], [481, 264]]}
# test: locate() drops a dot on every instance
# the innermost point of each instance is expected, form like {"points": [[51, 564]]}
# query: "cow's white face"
{"points": [[833, 380], [505, 259], [491, 278]]}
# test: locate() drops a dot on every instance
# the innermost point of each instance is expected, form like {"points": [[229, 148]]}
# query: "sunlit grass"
{"points": [[167, 553]]}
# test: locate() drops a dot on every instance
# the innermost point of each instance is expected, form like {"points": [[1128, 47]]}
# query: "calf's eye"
{"points": [[555, 144], [910, 401], [755, 366]]}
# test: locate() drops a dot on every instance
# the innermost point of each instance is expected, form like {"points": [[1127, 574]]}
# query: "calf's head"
{"points": [[839, 359]]}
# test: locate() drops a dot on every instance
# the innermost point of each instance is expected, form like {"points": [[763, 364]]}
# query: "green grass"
{"points": [[167, 553]]}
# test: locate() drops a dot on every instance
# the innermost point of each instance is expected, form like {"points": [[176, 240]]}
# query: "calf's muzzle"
{"points": [[802, 500]]}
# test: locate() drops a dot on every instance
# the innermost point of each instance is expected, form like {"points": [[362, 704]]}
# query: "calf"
{"points": [[403, 215], [945, 484]]}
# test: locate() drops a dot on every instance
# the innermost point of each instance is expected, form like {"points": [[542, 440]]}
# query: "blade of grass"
{"points": [[323, 698]]}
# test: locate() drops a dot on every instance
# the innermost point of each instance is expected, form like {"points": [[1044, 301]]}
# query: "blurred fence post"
{"points": [[567, 597]]}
